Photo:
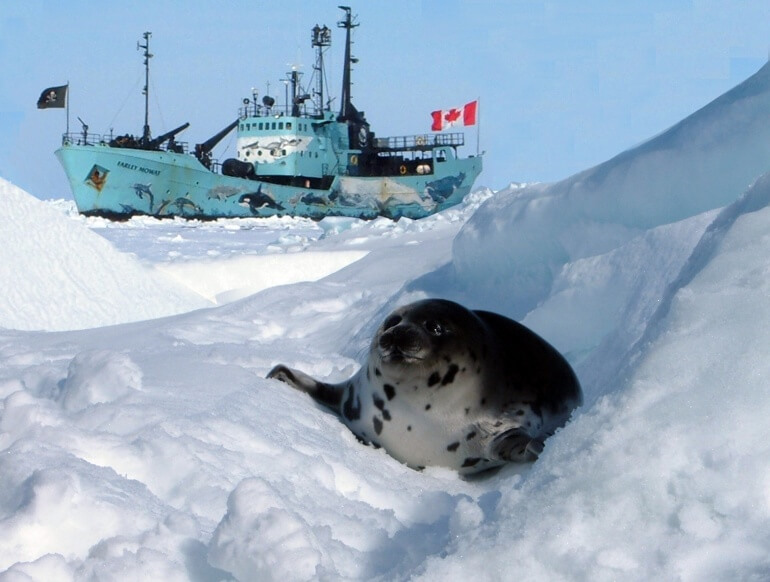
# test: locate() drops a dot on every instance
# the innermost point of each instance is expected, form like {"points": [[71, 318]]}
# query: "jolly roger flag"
{"points": [[53, 97], [445, 118]]}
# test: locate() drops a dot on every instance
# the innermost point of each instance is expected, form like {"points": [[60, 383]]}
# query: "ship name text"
{"points": [[139, 168]]}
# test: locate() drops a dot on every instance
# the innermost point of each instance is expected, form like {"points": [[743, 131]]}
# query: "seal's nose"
{"points": [[401, 338]]}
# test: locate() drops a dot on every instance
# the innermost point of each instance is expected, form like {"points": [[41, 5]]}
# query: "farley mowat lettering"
{"points": [[139, 168]]}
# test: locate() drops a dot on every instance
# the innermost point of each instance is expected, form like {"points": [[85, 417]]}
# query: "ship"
{"points": [[296, 159]]}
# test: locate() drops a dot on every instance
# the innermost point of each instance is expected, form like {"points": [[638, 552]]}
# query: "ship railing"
{"points": [[423, 142], [82, 139], [124, 141], [276, 111]]}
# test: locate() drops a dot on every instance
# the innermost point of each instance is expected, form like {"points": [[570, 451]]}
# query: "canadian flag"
{"points": [[444, 118]]}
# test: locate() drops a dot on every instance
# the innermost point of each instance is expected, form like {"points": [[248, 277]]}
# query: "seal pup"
{"points": [[447, 386]]}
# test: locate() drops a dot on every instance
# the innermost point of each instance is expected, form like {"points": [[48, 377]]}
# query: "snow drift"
{"points": [[57, 275], [157, 450], [704, 162]]}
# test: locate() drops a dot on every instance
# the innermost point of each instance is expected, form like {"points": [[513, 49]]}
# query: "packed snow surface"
{"points": [[156, 449]]}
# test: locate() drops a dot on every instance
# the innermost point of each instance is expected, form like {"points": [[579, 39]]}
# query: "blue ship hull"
{"points": [[120, 182]]}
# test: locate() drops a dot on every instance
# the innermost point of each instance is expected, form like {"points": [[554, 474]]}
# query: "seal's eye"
{"points": [[434, 327], [392, 321]]}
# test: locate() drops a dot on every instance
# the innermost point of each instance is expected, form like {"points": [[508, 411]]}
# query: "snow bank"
{"points": [[508, 255], [57, 275]]}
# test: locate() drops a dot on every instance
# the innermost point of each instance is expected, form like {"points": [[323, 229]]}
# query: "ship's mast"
{"points": [[322, 39], [347, 112], [146, 90]]}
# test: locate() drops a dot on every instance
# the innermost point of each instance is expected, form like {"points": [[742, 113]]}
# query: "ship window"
{"points": [[288, 125], [280, 125], [274, 125], [283, 152], [241, 127]]}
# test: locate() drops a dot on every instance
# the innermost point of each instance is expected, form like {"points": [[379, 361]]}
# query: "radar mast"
{"points": [[321, 40]]}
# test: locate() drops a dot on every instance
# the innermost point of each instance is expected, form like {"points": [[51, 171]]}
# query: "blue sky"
{"points": [[563, 85]]}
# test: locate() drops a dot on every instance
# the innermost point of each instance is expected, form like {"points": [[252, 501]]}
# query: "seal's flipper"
{"points": [[294, 378], [327, 394], [515, 445]]}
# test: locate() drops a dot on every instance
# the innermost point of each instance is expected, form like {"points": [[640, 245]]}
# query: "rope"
{"points": [[122, 105]]}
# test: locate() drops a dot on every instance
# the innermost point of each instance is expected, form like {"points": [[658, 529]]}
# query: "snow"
{"points": [[148, 445], [53, 253]]}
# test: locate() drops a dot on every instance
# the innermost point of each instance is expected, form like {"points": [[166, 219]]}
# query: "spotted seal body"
{"points": [[447, 386]]}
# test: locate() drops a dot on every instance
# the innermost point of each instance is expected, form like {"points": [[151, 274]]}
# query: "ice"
{"points": [[153, 447]]}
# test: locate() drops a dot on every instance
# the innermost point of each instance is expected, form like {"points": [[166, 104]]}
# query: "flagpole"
{"points": [[478, 124], [67, 100]]}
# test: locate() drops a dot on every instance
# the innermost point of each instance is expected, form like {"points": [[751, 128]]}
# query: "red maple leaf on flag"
{"points": [[444, 118], [452, 115]]}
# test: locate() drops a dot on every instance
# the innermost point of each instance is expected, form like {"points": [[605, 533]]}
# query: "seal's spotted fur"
{"points": [[447, 386]]}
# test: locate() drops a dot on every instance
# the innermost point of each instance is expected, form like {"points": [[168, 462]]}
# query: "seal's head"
{"points": [[426, 335]]}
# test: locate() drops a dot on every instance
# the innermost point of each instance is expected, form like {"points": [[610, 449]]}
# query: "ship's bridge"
{"points": [[279, 145]]}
